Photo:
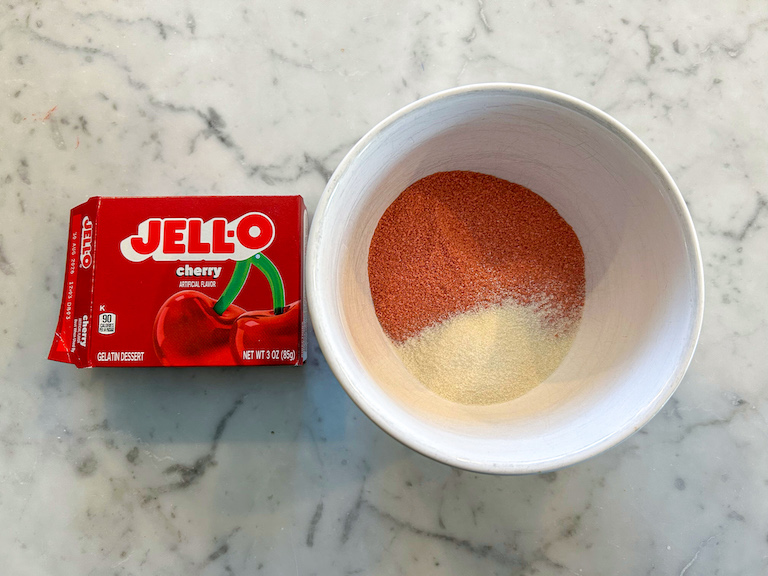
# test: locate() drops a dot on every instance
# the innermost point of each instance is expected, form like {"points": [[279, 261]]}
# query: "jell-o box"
{"points": [[184, 281]]}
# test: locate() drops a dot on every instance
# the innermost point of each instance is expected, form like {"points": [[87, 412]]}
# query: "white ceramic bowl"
{"points": [[645, 290]]}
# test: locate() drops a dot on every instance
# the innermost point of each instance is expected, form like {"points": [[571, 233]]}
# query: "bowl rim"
{"points": [[643, 416]]}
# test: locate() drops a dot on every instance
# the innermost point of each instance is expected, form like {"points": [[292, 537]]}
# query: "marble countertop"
{"points": [[275, 471]]}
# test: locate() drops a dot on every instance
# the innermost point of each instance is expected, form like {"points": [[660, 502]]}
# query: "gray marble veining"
{"points": [[275, 471]]}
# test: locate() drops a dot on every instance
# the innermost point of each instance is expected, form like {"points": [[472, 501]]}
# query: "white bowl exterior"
{"points": [[644, 281]]}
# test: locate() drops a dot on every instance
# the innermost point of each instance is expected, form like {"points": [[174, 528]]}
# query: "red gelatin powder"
{"points": [[456, 241]]}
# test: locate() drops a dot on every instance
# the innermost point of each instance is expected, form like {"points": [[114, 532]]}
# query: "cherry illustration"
{"points": [[191, 328], [258, 335], [188, 331]]}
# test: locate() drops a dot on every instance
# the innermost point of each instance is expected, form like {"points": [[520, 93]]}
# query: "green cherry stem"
{"points": [[239, 276], [275, 281]]}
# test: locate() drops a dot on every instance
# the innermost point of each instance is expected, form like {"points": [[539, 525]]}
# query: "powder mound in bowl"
{"points": [[489, 355], [455, 240], [478, 282]]}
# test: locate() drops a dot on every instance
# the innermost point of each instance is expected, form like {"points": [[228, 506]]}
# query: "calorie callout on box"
{"points": [[184, 281]]}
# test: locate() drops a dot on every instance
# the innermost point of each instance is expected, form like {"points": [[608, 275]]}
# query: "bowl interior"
{"points": [[642, 309]]}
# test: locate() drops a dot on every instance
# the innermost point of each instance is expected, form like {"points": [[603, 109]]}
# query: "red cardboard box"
{"points": [[184, 281]]}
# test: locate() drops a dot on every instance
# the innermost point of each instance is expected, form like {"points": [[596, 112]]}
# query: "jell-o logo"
{"points": [[86, 242], [168, 239]]}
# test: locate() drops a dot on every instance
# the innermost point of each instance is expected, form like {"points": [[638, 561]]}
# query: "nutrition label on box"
{"points": [[107, 323]]}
